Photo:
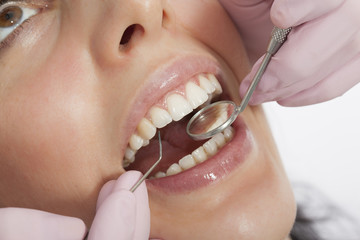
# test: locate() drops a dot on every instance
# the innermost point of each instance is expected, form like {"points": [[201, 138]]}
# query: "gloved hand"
{"points": [[321, 58], [120, 215], [22, 223]]}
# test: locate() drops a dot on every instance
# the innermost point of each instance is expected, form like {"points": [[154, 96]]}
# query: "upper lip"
{"points": [[164, 79]]}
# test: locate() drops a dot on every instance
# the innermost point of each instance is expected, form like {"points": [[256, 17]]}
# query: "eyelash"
{"points": [[10, 38]]}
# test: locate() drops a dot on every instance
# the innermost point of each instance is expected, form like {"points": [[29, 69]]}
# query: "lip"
{"points": [[227, 160], [165, 78]]}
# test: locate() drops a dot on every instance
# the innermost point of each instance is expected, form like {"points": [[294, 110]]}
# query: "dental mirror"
{"points": [[217, 116]]}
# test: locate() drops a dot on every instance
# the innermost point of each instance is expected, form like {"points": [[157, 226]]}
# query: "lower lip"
{"points": [[230, 157]]}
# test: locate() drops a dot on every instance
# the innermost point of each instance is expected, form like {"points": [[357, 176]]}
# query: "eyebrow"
{"points": [[2, 2]]}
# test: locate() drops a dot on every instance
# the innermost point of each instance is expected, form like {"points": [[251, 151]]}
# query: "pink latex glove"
{"points": [[321, 58], [22, 223], [120, 215]]}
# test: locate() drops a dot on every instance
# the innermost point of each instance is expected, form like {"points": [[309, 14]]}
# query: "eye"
{"points": [[13, 16]]}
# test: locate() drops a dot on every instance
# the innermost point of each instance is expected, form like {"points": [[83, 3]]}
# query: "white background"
{"points": [[320, 145]]}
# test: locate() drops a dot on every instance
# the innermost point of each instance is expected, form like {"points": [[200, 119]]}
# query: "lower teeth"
{"points": [[199, 155]]}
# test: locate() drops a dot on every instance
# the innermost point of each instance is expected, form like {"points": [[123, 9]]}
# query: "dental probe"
{"points": [[137, 184], [217, 116]]}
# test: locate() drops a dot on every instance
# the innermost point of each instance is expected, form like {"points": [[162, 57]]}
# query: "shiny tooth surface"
{"points": [[199, 155], [126, 162], [160, 117], [210, 147], [146, 129], [206, 85], [221, 118], [215, 82], [195, 95], [229, 133], [129, 153], [173, 169], [145, 143], [136, 142], [187, 162], [219, 140], [178, 106], [160, 174], [132, 159]]}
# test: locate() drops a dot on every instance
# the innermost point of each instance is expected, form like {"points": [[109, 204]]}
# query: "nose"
{"points": [[124, 25]]}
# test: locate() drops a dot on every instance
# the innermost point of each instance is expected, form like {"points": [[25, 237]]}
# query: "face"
{"points": [[85, 84]]}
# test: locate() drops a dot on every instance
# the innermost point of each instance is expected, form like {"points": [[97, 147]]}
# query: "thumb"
{"points": [[121, 213], [142, 226], [115, 218], [125, 181]]}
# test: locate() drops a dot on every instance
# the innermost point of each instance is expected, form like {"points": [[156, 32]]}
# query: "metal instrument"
{"points": [[137, 184], [216, 117]]}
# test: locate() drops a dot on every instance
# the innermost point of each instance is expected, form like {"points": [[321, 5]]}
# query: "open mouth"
{"points": [[170, 116]]}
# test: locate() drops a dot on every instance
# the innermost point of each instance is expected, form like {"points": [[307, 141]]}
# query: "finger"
{"points": [[105, 191], [142, 229], [290, 13], [312, 52], [115, 218], [125, 181], [333, 86], [20, 223]]}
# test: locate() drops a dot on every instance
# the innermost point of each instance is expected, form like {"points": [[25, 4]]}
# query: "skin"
{"points": [[63, 116]]}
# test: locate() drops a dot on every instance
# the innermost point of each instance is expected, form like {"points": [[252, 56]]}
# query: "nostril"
{"points": [[131, 32], [164, 19]]}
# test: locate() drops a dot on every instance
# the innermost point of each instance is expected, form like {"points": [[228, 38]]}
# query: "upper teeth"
{"points": [[178, 105]]}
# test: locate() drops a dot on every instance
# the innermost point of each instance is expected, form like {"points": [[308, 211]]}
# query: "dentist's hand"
{"points": [[321, 58], [120, 213], [22, 223]]}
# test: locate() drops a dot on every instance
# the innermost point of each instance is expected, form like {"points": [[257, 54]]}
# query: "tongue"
{"points": [[175, 145]]}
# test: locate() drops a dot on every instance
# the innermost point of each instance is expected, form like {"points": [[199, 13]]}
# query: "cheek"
{"points": [[52, 143]]}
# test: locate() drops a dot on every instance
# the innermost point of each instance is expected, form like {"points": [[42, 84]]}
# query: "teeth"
{"points": [[145, 143], [219, 139], [206, 85], [160, 175], [146, 129], [195, 95], [228, 133], [173, 169], [178, 107], [221, 118], [201, 154], [136, 142], [160, 117], [187, 162], [210, 147], [129, 153], [215, 82]]}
